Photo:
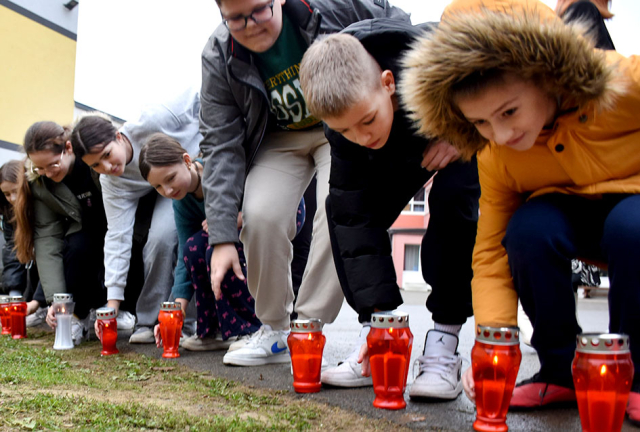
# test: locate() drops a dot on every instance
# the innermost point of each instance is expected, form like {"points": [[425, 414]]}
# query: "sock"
{"points": [[439, 342], [453, 329]]}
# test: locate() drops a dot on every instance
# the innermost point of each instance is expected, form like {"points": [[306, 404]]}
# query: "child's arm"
{"points": [[494, 297]]}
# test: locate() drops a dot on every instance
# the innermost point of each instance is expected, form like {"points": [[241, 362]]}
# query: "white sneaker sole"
{"points": [[430, 394], [350, 383], [230, 359]]}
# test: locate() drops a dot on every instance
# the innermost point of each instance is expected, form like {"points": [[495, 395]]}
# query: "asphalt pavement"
{"points": [[457, 415]]}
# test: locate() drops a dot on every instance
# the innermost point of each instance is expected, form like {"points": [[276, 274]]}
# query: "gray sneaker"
{"points": [[38, 317], [215, 343], [142, 335], [79, 329]]}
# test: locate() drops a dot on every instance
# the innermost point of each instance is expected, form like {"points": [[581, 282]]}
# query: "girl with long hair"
{"points": [[18, 278], [175, 175], [60, 222]]}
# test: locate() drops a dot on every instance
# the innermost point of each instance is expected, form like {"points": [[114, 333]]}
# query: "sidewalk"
{"points": [[447, 416]]}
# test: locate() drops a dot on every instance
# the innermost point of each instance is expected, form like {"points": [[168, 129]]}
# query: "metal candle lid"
{"points": [[4, 299], [306, 325], [62, 298], [16, 299], [498, 335], [170, 306], [390, 319], [105, 313], [603, 343]]}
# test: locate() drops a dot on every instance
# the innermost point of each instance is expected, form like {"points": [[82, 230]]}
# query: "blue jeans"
{"points": [[542, 238]]}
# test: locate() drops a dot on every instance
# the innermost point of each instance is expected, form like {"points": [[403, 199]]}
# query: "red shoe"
{"points": [[532, 394], [633, 409]]}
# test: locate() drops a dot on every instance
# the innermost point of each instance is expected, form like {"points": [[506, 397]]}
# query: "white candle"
{"points": [[63, 332]]}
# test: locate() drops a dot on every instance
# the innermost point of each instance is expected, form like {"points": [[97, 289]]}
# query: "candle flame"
{"points": [[106, 325], [310, 337], [391, 330], [62, 311], [171, 315], [603, 370], [495, 360]]}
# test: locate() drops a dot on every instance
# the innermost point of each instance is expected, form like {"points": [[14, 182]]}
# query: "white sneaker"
{"points": [[143, 335], [126, 320], [239, 342], [265, 346], [38, 317], [440, 368], [79, 329], [348, 373], [194, 343]]}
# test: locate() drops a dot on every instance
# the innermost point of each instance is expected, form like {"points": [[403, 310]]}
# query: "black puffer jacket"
{"points": [[363, 206]]}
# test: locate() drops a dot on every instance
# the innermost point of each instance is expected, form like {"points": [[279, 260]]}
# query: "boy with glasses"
{"points": [[261, 149]]}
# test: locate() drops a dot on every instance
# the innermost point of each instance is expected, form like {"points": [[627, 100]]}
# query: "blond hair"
{"points": [[336, 73], [602, 5]]}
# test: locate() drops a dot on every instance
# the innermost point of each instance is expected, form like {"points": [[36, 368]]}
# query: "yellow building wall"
{"points": [[37, 72]]}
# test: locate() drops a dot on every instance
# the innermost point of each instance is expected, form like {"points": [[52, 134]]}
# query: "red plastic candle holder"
{"points": [[18, 311], [108, 326], [5, 315], [306, 343], [602, 375], [171, 319], [390, 342], [495, 360]]}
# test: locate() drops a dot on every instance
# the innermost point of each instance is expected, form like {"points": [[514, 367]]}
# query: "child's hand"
{"points": [[51, 318], [438, 155], [96, 328], [205, 226], [156, 334], [469, 385], [223, 258], [363, 359]]}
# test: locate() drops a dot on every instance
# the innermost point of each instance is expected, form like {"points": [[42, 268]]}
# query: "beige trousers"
{"points": [[282, 170]]}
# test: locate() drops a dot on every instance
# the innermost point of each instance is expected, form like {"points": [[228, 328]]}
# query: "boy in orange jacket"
{"points": [[556, 126]]}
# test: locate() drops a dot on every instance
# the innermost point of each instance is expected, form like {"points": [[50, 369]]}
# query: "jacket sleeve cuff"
{"points": [[115, 293], [183, 291]]}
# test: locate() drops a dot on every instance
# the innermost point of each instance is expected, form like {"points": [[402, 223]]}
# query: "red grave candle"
{"points": [[171, 319], [18, 311], [5, 315], [602, 375], [108, 326], [389, 341], [306, 343], [495, 360]]}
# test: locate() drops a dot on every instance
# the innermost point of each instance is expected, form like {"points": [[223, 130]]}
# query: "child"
{"points": [[377, 164], [17, 278], [114, 153], [556, 123], [60, 222], [171, 171], [261, 149]]}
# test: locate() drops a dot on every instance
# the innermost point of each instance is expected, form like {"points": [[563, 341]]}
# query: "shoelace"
{"points": [[434, 364]]}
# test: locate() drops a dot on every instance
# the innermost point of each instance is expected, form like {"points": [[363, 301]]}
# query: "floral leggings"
{"points": [[232, 315]]}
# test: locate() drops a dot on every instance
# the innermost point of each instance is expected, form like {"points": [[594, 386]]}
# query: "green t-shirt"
{"points": [[279, 67]]}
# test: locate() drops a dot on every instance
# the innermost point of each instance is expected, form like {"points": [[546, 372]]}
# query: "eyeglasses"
{"points": [[259, 16], [49, 168]]}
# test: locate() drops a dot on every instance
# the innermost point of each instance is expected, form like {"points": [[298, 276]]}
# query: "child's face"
{"points": [[54, 166], [512, 113], [368, 123], [173, 181], [255, 37], [10, 191], [111, 160]]}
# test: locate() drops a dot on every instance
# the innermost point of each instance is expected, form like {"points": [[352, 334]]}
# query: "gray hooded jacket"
{"points": [[234, 111]]}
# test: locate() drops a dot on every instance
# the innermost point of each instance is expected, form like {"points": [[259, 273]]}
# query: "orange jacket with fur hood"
{"points": [[591, 150]]}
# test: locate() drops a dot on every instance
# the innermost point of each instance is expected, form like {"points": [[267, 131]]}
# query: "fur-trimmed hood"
{"points": [[520, 36]]}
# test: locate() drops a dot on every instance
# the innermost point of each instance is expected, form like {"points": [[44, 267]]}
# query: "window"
{"points": [[411, 257], [417, 203]]}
